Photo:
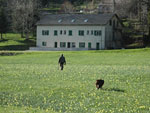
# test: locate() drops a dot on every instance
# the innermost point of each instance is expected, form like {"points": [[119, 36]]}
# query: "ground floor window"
{"points": [[81, 44], [73, 44], [62, 44], [44, 43], [89, 45]]}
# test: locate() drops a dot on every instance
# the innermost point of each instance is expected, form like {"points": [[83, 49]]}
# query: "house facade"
{"points": [[78, 32]]}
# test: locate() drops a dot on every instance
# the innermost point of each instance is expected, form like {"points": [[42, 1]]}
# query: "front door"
{"points": [[97, 45], [55, 45], [68, 44]]}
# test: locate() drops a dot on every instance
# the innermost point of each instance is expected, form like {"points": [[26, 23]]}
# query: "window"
{"points": [[55, 44], [73, 20], [81, 44], [92, 32], [89, 45], [110, 22], [62, 44], [81, 33], [88, 32], [97, 33], [59, 21], [73, 44], [44, 43], [61, 32], [55, 33], [86, 20], [64, 32], [45, 32], [70, 32], [114, 23]]}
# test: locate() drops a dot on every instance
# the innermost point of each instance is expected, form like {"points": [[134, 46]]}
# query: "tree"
{"points": [[3, 18], [24, 15], [67, 7], [148, 9]]}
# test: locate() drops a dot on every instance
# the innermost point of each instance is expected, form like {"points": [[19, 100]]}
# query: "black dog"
{"points": [[99, 83]]}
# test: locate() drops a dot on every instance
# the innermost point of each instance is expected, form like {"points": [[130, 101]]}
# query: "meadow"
{"points": [[31, 82]]}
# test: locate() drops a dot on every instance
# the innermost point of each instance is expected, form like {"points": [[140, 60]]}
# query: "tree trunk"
{"points": [[149, 33], [22, 35], [27, 36], [1, 36]]}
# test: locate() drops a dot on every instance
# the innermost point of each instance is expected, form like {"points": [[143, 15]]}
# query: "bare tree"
{"points": [[67, 7], [23, 15]]}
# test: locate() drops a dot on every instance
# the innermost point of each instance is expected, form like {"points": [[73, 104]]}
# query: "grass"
{"points": [[13, 41], [31, 82]]}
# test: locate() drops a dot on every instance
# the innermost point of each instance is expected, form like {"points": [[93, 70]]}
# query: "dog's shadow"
{"points": [[113, 89]]}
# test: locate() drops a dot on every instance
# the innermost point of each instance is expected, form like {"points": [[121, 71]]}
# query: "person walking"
{"points": [[62, 61]]}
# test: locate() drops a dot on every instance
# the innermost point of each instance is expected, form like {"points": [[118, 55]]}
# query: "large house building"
{"points": [[78, 32]]}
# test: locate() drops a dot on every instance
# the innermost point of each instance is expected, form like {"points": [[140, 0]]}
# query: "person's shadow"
{"points": [[113, 89]]}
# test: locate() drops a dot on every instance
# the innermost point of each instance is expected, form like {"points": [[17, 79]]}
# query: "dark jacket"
{"points": [[62, 60]]}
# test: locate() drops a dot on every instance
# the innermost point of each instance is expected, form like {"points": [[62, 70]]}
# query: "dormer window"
{"points": [[59, 20], [73, 20], [86, 20]]}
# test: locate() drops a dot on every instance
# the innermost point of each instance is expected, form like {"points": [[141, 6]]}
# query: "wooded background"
{"points": [[20, 16]]}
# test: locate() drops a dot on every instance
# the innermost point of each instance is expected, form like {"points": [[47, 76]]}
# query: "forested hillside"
{"points": [[20, 16]]}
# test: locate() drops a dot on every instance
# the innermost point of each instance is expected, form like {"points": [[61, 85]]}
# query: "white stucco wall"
{"points": [[51, 39]]}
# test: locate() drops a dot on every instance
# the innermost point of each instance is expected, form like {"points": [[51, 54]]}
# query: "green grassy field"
{"points": [[30, 82], [14, 41]]}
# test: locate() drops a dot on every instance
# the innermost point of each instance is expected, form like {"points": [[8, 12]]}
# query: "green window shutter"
{"points": [[81, 33], [55, 33], [89, 45], [44, 43], [70, 32]]}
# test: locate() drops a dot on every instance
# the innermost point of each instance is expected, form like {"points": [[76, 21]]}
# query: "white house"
{"points": [[78, 32]]}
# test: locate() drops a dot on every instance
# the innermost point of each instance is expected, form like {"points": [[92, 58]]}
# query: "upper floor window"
{"points": [[55, 33], [92, 32], [64, 32], [70, 33], [61, 32], [81, 33], [97, 33], [88, 32], [110, 22], [45, 32]]}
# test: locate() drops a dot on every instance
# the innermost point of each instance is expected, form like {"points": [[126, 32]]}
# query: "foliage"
{"points": [[31, 82], [24, 15]]}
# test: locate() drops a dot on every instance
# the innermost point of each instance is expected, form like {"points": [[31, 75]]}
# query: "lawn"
{"points": [[14, 41], [31, 82]]}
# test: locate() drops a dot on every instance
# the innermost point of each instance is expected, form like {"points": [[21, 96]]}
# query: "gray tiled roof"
{"points": [[75, 19]]}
